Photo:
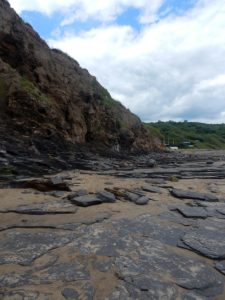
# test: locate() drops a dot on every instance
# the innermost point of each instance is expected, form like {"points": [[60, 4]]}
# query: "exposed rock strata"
{"points": [[45, 94], [52, 249]]}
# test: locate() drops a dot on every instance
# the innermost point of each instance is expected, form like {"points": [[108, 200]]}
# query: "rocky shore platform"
{"points": [[144, 227]]}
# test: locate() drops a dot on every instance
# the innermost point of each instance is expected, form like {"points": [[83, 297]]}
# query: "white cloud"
{"points": [[172, 69], [46, 6], [102, 10]]}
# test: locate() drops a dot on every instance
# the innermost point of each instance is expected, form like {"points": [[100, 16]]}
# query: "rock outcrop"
{"points": [[44, 93]]}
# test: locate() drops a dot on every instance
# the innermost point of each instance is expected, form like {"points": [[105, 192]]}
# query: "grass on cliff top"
{"points": [[30, 88], [200, 135], [105, 96]]}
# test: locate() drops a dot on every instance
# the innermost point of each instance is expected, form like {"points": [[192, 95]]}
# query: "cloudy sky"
{"points": [[163, 59]]}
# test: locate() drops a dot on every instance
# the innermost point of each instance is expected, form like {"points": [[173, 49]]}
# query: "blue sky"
{"points": [[163, 59], [46, 24]]}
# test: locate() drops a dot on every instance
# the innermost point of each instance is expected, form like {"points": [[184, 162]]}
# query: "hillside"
{"points": [[47, 98], [200, 135]]}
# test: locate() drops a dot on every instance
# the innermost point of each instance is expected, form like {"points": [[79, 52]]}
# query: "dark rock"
{"points": [[56, 106], [98, 218], [214, 209], [155, 259], [145, 287], [172, 216], [20, 295], [88, 291], [149, 227], [65, 272], [152, 189], [48, 207], [221, 210], [120, 293], [193, 212], [70, 294], [151, 163], [212, 223], [185, 194], [138, 191], [57, 194], [78, 193], [136, 250], [86, 200], [106, 197], [104, 266], [131, 196], [142, 201], [24, 248], [194, 296], [220, 266], [209, 243]]}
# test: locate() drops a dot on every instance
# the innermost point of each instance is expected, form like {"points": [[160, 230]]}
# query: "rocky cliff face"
{"points": [[45, 93]]}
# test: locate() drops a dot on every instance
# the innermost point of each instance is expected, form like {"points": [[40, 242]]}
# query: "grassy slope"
{"points": [[202, 136]]}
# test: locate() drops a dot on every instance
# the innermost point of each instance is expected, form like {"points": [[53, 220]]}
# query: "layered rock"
{"points": [[45, 93]]}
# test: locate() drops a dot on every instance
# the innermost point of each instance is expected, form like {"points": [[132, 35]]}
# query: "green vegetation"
{"points": [[7, 170], [30, 88], [173, 179], [105, 97], [190, 134], [107, 100]]}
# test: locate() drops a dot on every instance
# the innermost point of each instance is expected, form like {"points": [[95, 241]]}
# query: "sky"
{"points": [[163, 59]]}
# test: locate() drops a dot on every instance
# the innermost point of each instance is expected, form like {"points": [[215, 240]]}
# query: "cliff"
{"points": [[44, 93]]}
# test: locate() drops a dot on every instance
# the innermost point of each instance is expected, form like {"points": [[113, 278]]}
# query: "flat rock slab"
{"points": [[209, 243], [107, 197], [155, 260], [81, 192], [192, 211], [140, 251], [214, 209], [141, 260], [73, 226], [153, 189], [185, 194], [57, 194], [145, 287], [48, 207], [65, 272], [86, 200], [93, 199], [80, 290], [221, 210], [220, 266], [20, 295], [24, 248]]}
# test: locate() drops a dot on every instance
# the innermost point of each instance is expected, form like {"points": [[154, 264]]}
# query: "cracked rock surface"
{"points": [[55, 248]]}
